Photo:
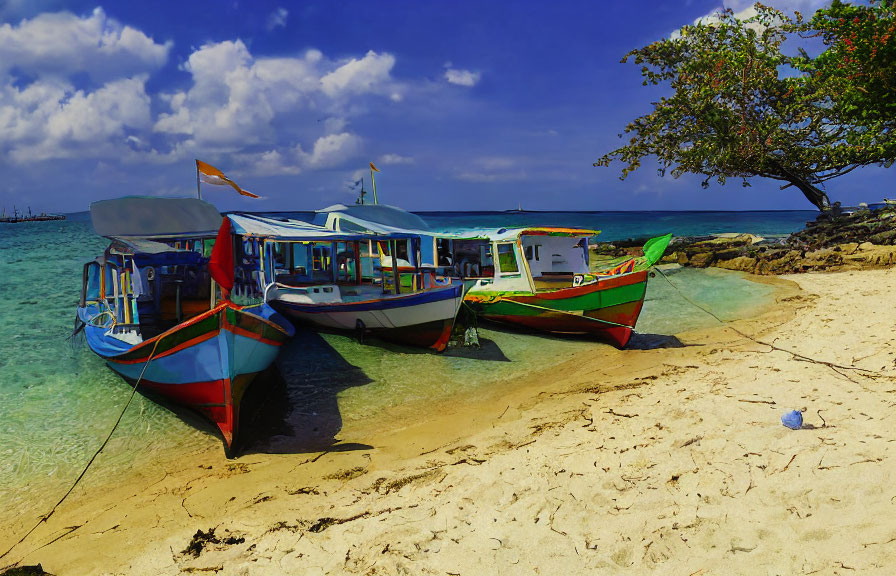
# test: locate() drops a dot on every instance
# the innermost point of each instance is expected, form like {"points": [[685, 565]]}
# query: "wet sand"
{"points": [[668, 459]]}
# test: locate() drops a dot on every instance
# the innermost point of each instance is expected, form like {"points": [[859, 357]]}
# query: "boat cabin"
{"points": [[530, 259], [147, 287], [380, 219], [154, 274], [320, 265]]}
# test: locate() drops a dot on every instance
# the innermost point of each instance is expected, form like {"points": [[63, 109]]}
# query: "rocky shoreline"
{"points": [[833, 242]]}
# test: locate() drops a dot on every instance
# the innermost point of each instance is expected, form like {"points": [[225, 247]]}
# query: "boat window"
{"points": [[507, 259], [345, 262], [529, 253], [327, 290]]}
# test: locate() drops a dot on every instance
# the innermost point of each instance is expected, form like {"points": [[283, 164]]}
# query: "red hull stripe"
{"points": [[249, 334], [618, 335], [174, 350], [442, 342], [211, 398]]}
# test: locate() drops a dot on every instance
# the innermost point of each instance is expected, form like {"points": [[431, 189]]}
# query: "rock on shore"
{"points": [[860, 240]]}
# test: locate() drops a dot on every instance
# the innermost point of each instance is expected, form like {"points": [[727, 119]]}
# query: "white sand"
{"points": [[667, 461]]}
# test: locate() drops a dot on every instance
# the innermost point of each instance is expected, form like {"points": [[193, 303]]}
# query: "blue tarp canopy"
{"points": [[149, 253]]}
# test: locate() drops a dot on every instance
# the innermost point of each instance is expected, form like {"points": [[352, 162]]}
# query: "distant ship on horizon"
{"points": [[16, 217], [517, 210]]}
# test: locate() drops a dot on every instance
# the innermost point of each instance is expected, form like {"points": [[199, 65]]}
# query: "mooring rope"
{"points": [[47, 516], [831, 365]]}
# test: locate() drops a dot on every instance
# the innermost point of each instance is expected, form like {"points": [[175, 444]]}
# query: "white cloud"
{"points": [[744, 9], [368, 74], [271, 162], [461, 77], [82, 94], [277, 18], [62, 44], [394, 159], [493, 169], [238, 99], [52, 120], [334, 149]]}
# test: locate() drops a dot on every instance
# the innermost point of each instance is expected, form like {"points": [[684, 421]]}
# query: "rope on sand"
{"points": [[833, 366], [47, 516]]}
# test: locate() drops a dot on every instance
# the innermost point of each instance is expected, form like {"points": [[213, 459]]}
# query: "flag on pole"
{"points": [[211, 175], [373, 180]]}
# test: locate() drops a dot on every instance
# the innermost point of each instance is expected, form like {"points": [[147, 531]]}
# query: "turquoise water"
{"points": [[624, 225], [58, 400]]}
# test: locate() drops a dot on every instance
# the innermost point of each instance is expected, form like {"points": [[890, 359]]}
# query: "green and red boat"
{"points": [[540, 278]]}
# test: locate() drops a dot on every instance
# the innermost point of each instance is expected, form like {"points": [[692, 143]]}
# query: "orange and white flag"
{"points": [[211, 175]]}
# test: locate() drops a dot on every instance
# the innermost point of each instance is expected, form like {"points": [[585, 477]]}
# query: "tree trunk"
{"points": [[812, 193]]}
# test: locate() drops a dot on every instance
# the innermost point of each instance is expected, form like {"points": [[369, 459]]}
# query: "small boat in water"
{"points": [[540, 278], [357, 281], [152, 309]]}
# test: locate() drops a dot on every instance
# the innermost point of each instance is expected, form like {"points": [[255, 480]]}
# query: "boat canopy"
{"points": [[373, 218], [153, 217], [288, 229], [507, 234]]}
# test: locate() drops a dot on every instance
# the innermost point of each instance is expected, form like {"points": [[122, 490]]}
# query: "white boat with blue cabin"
{"points": [[350, 280]]}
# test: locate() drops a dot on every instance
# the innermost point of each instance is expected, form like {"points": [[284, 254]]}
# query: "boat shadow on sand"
{"points": [[292, 408]]}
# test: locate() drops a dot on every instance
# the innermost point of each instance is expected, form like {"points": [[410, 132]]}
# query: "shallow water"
{"points": [[58, 401]]}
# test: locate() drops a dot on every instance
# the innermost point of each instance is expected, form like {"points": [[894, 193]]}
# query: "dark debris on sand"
{"points": [[36, 570], [202, 539]]}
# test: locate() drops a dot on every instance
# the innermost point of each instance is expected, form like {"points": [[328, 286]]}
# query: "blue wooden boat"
{"points": [[152, 310]]}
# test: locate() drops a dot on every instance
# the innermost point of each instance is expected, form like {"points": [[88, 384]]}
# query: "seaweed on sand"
{"points": [[36, 570], [202, 539]]}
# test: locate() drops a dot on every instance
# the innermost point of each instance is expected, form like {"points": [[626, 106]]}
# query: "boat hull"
{"points": [[205, 363], [607, 309], [418, 319]]}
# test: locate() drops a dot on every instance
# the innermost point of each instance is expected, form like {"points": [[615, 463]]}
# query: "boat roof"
{"points": [[289, 229], [376, 217], [500, 234], [155, 217]]}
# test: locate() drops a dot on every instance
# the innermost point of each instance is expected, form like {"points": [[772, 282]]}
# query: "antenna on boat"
{"points": [[360, 199]]}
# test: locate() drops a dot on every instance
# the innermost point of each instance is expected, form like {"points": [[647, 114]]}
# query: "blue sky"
{"points": [[462, 105]]}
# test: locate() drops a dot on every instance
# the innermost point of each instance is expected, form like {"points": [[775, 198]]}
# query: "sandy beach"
{"points": [[666, 460]]}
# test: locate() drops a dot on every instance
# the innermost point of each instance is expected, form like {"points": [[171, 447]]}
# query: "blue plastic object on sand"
{"points": [[793, 420]]}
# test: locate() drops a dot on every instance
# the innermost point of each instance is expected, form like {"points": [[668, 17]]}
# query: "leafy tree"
{"points": [[855, 76], [740, 107]]}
